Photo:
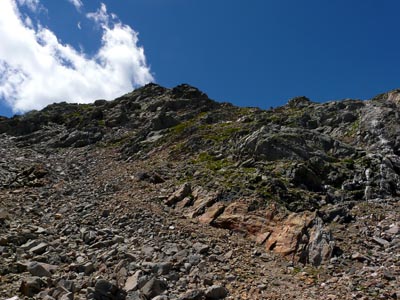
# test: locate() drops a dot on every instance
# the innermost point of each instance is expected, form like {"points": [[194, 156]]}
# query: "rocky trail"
{"points": [[186, 206]]}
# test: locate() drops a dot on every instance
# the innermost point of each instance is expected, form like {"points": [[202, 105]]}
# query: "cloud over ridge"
{"points": [[36, 69]]}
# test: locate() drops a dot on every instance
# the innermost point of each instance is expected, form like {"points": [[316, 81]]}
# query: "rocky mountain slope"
{"points": [[167, 194]]}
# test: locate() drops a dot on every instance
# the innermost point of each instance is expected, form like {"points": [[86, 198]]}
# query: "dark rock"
{"points": [[185, 91], [150, 177], [299, 102], [31, 286], [201, 248], [388, 275], [4, 215], [339, 213], [105, 290], [303, 176], [40, 269], [162, 268], [116, 118], [86, 268], [194, 259], [97, 114], [163, 121], [216, 292], [274, 143], [153, 288], [39, 249], [68, 285], [136, 295], [193, 295]]}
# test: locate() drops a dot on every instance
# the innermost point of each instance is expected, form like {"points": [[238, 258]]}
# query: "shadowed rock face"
{"points": [[285, 178]]}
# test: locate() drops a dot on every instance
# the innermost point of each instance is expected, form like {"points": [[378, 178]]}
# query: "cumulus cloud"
{"points": [[77, 3], [36, 69]]}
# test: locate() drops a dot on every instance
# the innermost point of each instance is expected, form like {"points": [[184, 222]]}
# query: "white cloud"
{"points": [[37, 70], [32, 4], [101, 16], [77, 3], [28, 22]]}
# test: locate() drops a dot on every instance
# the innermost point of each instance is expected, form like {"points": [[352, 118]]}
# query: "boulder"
{"points": [[163, 121], [185, 91], [4, 214], [212, 213], [202, 201], [237, 217], [183, 191], [31, 286], [193, 295], [232, 217], [132, 282], [320, 245], [153, 288], [216, 292], [285, 238], [105, 290], [299, 102], [40, 269], [303, 176]]}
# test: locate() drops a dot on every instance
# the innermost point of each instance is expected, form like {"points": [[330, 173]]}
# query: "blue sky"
{"points": [[250, 53]]}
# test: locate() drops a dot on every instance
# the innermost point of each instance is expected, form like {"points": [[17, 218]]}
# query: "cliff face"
{"points": [[299, 180]]}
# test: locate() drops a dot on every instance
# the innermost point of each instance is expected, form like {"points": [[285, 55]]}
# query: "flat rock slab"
{"points": [[39, 249]]}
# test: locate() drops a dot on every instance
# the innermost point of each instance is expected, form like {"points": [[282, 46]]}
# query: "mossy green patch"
{"points": [[353, 128], [181, 127], [211, 162], [221, 132]]}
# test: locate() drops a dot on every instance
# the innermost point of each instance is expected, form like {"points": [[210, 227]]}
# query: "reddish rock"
{"points": [[199, 192], [262, 237], [202, 201], [233, 217], [179, 194], [254, 224], [236, 217], [212, 213], [187, 201], [285, 238]]}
